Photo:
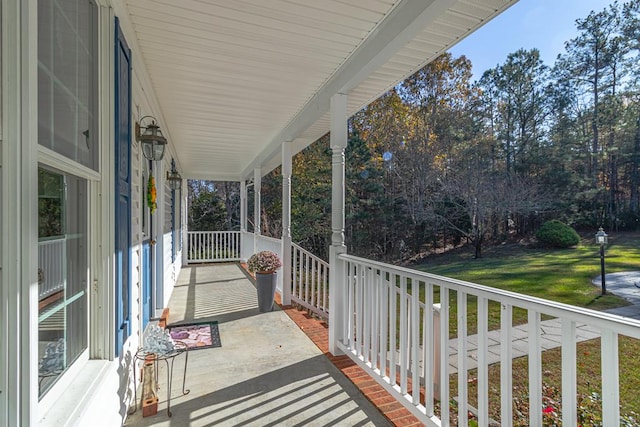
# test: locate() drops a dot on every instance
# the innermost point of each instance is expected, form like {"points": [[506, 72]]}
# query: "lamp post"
{"points": [[601, 239]]}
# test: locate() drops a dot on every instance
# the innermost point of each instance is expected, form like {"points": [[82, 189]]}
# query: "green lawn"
{"points": [[562, 275], [558, 275]]}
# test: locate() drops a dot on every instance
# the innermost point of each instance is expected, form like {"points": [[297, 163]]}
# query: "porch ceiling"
{"points": [[234, 79]]}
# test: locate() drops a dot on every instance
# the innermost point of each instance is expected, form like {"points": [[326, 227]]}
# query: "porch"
{"points": [[267, 371], [379, 317]]}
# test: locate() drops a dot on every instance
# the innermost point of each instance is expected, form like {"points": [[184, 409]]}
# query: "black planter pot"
{"points": [[266, 286]]}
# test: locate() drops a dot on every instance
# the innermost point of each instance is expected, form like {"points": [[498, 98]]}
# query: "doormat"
{"points": [[197, 335]]}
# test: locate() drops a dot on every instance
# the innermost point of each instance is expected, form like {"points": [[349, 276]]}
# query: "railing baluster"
{"points": [[463, 413], [325, 287], [375, 330], [350, 280], [535, 369], [444, 355], [569, 388], [506, 367], [306, 277], [393, 322], [403, 335], [314, 284], [359, 309], [610, 378], [415, 340], [294, 272], [384, 325], [366, 313], [430, 382], [483, 365]]}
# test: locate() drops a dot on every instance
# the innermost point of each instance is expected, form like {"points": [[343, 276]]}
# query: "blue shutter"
{"points": [[122, 188]]}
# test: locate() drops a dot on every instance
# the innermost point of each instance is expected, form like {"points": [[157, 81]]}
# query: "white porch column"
{"points": [[286, 223], [257, 185], [158, 218], [243, 206], [336, 274], [244, 250], [184, 232]]}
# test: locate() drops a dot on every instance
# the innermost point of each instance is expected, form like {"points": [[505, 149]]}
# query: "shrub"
{"points": [[557, 234]]}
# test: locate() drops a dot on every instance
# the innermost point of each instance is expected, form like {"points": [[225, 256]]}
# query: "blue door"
{"points": [[122, 188]]}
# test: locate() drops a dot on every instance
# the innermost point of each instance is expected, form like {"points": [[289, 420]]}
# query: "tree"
{"points": [[521, 84], [206, 208], [486, 197]]}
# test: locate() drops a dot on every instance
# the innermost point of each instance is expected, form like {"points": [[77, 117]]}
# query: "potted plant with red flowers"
{"points": [[264, 264]]}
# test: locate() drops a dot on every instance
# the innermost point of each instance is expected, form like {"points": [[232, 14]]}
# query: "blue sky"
{"points": [[544, 24]]}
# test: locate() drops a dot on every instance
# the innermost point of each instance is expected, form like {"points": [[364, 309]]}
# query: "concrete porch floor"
{"points": [[267, 372]]}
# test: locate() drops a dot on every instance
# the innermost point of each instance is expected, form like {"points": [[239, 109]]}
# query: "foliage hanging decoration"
{"points": [[151, 194]]}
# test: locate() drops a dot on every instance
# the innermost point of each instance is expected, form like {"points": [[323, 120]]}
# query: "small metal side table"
{"points": [[144, 355]]}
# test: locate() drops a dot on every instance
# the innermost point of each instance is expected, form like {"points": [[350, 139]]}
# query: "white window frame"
{"points": [[101, 232]]}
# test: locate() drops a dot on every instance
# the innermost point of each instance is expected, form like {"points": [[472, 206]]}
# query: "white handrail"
{"points": [[380, 299], [213, 246], [310, 281]]}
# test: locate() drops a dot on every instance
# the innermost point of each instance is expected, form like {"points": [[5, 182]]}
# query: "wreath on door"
{"points": [[151, 194]]}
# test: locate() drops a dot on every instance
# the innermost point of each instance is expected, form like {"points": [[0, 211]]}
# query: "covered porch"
{"points": [[267, 371], [435, 344], [237, 88]]}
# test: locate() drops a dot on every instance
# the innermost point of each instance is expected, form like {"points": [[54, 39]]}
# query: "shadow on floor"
{"points": [[310, 392], [267, 372]]}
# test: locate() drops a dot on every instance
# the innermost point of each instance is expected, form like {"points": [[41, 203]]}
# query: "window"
{"points": [[67, 79], [62, 273], [67, 125]]}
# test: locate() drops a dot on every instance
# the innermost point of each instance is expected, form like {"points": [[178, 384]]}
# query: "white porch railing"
{"points": [[212, 246], [388, 332], [246, 245], [310, 281], [52, 263], [264, 243]]}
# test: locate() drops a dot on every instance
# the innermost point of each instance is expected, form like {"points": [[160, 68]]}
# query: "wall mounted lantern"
{"points": [[151, 138], [173, 177]]}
